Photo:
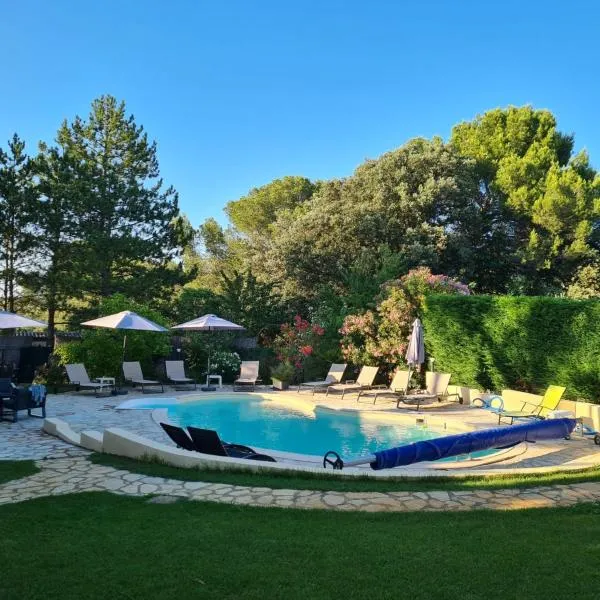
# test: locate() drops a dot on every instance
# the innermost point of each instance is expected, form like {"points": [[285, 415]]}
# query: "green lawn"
{"points": [[310, 481], [99, 545], [16, 469]]}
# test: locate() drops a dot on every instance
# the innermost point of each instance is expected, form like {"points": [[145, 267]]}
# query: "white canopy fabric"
{"points": [[209, 323], [415, 353], [125, 320], [9, 320]]}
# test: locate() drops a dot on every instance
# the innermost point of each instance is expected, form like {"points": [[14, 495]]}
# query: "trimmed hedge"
{"points": [[519, 342]]}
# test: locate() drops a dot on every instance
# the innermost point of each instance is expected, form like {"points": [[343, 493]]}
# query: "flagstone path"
{"points": [[77, 474]]}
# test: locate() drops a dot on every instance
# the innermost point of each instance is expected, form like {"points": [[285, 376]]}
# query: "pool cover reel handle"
{"points": [[337, 463]]}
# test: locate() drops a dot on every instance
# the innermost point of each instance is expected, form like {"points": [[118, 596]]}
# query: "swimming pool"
{"points": [[288, 427]]}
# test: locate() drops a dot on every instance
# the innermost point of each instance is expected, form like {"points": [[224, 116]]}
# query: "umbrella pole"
{"points": [[208, 387]]}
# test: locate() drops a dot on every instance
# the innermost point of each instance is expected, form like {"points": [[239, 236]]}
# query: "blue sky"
{"points": [[239, 92]]}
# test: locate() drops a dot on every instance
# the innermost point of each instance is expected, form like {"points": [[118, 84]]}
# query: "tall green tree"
{"points": [[17, 214], [130, 235], [254, 213], [546, 197], [421, 202], [62, 260]]}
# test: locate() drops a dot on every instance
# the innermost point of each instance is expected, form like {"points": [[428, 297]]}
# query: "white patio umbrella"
{"points": [[209, 323], [415, 353], [9, 320], [125, 320]]}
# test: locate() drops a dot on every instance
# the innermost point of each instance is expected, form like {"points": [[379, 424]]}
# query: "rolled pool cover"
{"points": [[465, 443]]}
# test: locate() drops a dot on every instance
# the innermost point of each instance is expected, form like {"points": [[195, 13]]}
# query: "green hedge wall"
{"points": [[524, 343]]}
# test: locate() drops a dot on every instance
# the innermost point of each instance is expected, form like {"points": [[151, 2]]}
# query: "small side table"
{"points": [[216, 378], [106, 381]]}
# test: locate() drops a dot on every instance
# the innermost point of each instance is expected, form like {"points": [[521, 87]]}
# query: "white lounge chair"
{"points": [[132, 371], [176, 373], [335, 375], [398, 388], [248, 375], [364, 381], [437, 385], [78, 376]]}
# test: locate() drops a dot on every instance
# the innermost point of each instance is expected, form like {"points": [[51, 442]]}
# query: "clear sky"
{"points": [[239, 92]]}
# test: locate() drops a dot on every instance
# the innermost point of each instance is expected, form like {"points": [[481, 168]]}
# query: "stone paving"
{"points": [[77, 474], [65, 469]]}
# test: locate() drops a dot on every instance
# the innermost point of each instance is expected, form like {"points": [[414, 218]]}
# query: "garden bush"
{"points": [[519, 342]]}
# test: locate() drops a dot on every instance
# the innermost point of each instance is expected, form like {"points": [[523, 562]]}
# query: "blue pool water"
{"points": [[255, 421]]}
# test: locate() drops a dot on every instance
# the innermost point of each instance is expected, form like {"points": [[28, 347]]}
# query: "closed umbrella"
{"points": [[209, 323], [415, 353], [125, 320]]}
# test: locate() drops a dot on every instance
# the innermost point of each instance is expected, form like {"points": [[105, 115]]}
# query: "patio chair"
{"points": [[79, 377], [398, 388], [549, 402], [176, 373], [132, 371], [364, 381], [13, 399], [248, 375], [208, 441], [437, 386], [335, 375], [179, 436]]}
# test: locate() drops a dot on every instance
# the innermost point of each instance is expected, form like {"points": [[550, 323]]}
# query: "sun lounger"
{"points": [[364, 381], [397, 389], [78, 376], [549, 402], [132, 371], [437, 385], [176, 373], [208, 441], [248, 375], [336, 372], [179, 436]]}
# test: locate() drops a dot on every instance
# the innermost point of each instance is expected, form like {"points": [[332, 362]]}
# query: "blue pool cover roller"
{"points": [[465, 443]]}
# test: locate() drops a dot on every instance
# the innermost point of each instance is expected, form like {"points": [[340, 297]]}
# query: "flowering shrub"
{"points": [[295, 342], [381, 337], [225, 363]]}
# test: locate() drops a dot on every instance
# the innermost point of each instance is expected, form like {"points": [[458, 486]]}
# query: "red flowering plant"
{"points": [[296, 341]]}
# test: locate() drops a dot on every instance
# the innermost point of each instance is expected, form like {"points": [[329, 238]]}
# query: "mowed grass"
{"points": [[98, 545], [325, 482], [16, 469]]}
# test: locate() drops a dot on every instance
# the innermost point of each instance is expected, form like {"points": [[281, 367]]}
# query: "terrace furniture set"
{"points": [[13, 399]]}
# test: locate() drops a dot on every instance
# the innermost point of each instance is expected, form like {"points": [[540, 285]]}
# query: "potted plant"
{"points": [[281, 375]]}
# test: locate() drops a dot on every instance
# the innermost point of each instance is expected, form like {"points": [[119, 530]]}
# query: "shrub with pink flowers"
{"points": [[381, 336], [296, 341]]}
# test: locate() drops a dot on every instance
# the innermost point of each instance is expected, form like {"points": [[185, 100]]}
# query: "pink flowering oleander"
{"points": [[381, 336]]}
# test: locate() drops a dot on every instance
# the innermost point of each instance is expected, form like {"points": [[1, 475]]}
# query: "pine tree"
{"points": [[17, 202], [127, 218]]}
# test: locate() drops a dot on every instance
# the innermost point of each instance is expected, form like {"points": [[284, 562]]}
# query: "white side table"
{"points": [[108, 381], [216, 378]]}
